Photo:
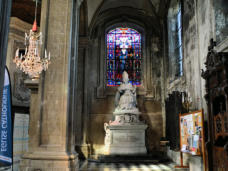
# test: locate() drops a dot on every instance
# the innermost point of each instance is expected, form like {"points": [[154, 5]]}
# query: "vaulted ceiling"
{"points": [[152, 7], [25, 10]]}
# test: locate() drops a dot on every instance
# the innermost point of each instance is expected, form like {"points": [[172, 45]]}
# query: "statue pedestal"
{"points": [[126, 134], [125, 139]]}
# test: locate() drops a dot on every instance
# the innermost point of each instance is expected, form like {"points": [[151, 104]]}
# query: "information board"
{"points": [[192, 133]]}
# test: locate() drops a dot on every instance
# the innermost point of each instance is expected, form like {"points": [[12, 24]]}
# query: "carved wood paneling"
{"points": [[216, 76]]}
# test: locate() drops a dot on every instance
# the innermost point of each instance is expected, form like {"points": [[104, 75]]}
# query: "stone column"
{"points": [[51, 137], [83, 139]]}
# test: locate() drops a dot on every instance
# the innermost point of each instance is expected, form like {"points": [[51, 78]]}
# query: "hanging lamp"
{"points": [[31, 62]]}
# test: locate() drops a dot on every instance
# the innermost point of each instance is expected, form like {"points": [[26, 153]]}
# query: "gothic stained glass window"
{"points": [[123, 54]]}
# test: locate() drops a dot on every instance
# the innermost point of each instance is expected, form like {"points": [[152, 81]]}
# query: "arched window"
{"points": [[123, 54], [175, 40]]}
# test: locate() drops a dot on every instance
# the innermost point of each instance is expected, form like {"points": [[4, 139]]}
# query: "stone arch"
{"points": [[124, 14], [99, 99]]}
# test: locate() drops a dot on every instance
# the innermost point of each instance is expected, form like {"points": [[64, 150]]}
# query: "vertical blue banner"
{"points": [[6, 123]]}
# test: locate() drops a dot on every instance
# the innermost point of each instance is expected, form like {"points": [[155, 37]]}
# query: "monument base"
{"points": [[127, 139]]}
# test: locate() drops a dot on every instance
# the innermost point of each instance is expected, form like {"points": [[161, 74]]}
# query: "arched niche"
{"points": [[99, 98]]}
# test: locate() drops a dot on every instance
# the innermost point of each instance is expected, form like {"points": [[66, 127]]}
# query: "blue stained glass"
{"points": [[179, 19], [180, 53], [123, 54], [179, 37]]}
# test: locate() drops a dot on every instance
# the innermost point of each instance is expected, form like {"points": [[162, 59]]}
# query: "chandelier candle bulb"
{"points": [[25, 38], [49, 56], [17, 52], [41, 38]]}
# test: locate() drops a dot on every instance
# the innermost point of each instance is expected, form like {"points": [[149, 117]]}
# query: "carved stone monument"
{"points": [[126, 134]]}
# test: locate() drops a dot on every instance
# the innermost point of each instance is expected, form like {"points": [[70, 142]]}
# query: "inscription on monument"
{"points": [[126, 138]]}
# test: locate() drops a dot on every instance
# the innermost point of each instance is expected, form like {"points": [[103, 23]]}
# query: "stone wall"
{"points": [[20, 94], [198, 29], [20, 138]]}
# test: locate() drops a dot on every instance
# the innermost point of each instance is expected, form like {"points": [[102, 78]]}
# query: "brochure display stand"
{"points": [[192, 135]]}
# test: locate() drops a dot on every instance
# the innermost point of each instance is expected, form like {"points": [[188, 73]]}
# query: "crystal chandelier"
{"points": [[31, 62]]}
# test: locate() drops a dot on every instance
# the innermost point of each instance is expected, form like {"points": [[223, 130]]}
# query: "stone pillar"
{"points": [[82, 120], [51, 133]]}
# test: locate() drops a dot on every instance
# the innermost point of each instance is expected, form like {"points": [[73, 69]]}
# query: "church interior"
{"points": [[116, 82]]}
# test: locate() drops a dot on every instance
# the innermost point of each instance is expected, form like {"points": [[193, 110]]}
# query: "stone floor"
{"points": [[93, 166]]}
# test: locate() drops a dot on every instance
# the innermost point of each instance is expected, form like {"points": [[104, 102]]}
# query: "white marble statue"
{"points": [[125, 99], [126, 134]]}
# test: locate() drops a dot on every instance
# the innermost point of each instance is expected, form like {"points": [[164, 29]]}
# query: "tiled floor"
{"points": [[93, 166]]}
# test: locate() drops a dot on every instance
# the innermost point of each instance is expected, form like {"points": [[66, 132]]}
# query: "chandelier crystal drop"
{"points": [[31, 62]]}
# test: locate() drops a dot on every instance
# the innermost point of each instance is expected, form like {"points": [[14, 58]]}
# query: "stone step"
{"points": [[144, 158]]}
